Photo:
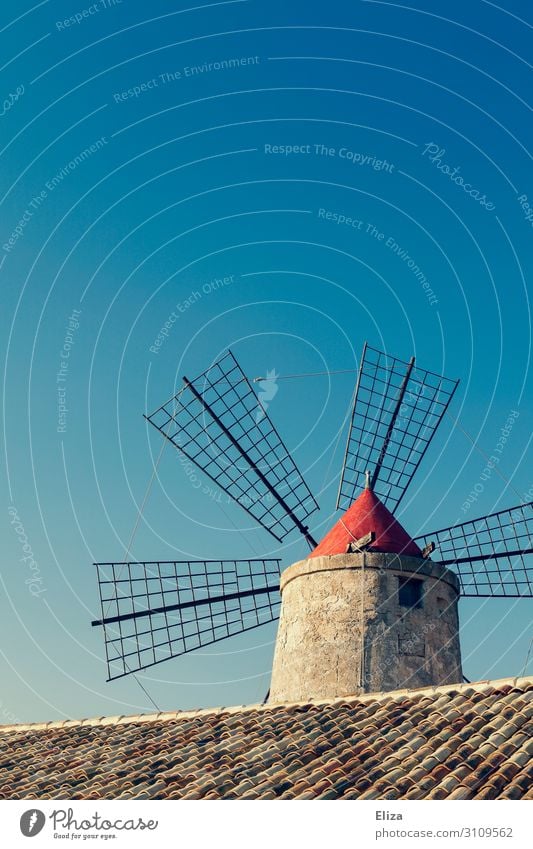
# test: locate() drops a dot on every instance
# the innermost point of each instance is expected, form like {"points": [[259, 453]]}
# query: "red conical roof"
{"points": [[366, 514]]}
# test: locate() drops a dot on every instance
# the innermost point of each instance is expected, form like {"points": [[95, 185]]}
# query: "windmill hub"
{"points": [[381, 618]]}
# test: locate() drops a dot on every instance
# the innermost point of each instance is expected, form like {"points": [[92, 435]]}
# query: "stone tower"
{"points": [[365, 612]]}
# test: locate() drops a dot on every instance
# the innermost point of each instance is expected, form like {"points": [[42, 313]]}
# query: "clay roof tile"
{"points": [[441, 743]]}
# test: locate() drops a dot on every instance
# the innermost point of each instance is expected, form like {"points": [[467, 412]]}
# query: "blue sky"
{"points": [[149, 153]]}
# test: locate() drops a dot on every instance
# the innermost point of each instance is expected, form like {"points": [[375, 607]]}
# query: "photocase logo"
{"points": [[32, 822], [268, 391]]}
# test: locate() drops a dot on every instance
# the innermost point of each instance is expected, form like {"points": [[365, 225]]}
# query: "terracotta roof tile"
{"points": [[455, 742]]}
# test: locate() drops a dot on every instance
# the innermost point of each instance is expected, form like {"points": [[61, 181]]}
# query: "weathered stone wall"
{"points": [[325, 603]]}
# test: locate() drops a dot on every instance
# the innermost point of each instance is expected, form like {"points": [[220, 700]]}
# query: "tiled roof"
{"points": [[468, 741], [367, 513]]}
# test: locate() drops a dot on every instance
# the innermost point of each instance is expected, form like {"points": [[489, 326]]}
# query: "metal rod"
{"points": [[392, 422], [301, 527], [422, 455], [362, 614], [185, 604], [473, 521], [494, 595], [210, 476], [185, 562], [179, 654], [304, 374], [494, 555], [351, 425]]}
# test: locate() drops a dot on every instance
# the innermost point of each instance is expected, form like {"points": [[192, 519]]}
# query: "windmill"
{"points": [[157, 610]]}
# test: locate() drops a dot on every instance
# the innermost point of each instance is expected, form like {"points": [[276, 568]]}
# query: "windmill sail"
{"points": [[396, 412], [153, 611], [218, 422], [493, 555]]}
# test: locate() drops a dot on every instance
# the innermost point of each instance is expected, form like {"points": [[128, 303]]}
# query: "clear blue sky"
{"points": [[144, 153]]}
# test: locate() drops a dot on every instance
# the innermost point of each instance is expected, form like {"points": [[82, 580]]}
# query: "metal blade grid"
{"points": [[266, 483], [493, 555], [152, 611], [396, 411]]}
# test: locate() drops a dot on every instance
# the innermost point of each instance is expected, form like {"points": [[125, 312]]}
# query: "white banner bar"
{"points": [[251, 825]]}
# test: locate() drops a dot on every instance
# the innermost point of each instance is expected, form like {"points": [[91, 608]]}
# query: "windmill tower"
{"points": [[370, 608], [365, 612]]}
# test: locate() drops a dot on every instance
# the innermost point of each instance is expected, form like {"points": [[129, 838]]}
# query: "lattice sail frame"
{"points": [[218, 422], [153, 611], [492, 556], [396, 412]]}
